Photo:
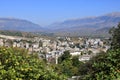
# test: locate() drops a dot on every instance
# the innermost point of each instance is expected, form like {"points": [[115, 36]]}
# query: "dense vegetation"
{"points": [[104, 66], [18, 33], [68, 65], [17, 64], [10, 33], [115, 39]]}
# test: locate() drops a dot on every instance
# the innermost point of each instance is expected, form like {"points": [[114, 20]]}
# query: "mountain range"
{"points": [[98, 25], [18, 25]]}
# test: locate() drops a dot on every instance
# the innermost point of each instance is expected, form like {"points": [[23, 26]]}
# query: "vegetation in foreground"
{"points": [[17, 64], [102, 67], [105, 66]]}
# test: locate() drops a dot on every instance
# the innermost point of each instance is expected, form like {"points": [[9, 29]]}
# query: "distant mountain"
{"points": [[18, 25], [91, 26], [87, 26]]}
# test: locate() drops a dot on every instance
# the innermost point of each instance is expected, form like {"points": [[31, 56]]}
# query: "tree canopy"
{"points": [[104, 66], [115, 39], [17, 64]]}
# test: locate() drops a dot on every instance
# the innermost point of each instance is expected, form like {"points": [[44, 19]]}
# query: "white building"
{"points": [[75, 53]]}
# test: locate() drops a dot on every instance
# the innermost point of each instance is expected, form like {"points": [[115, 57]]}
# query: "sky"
{"points": [[45, 12]]}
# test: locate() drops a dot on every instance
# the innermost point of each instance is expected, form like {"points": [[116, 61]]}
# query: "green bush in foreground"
{"points": [[16, 64], [104, 67]]}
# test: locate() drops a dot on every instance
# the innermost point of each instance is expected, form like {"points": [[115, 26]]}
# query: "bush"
{"points": [[104, 66], [17, 64]]}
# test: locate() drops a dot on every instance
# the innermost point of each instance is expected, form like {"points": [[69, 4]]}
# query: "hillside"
{"points": [[86, 26], [18, 25], [90, 26]]}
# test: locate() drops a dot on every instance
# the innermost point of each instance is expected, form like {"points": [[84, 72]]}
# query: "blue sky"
{"points": [[45, 12]]}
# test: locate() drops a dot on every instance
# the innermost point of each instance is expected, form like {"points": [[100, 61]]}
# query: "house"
{"points": [[84, 58], [75, 53]]}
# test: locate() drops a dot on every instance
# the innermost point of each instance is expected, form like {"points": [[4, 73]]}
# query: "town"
{"points": [[51, 49]]}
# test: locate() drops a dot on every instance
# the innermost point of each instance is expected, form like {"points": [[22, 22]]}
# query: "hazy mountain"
{"points": [[18, 25], [90, 25], [98, 25]]}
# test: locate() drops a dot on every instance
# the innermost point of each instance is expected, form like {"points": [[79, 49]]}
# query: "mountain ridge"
{"points": [[81, 26], [88, 26], [18, 25]]}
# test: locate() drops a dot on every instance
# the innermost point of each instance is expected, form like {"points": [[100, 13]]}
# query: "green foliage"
{"points": [[18, 33], [66, 55], [104, 66], [66, 68], [76, 62], [17, 64], [10, 33], [115, 32], [68, 65]]}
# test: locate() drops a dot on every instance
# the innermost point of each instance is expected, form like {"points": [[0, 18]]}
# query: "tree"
{"points": [[115, 39], [66, 55], [104, 66], [76, 62], [17, 64]]}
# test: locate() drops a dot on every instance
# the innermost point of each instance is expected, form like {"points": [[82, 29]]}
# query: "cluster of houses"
{"points": [[51, 49]]}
